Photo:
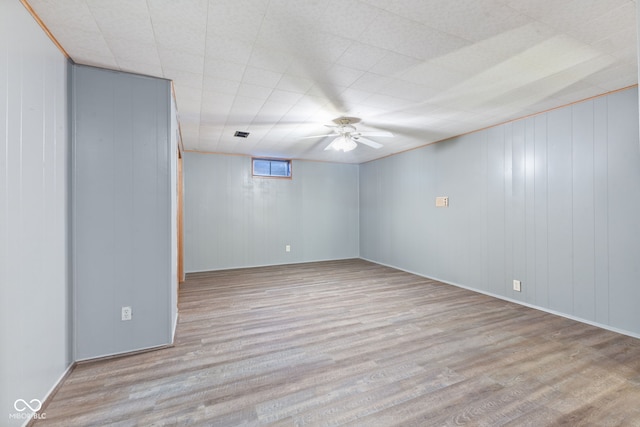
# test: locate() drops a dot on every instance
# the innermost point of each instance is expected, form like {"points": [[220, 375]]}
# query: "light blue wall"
{"points": [[34, 190], [234, 220], [122, 211], [552, 200]]}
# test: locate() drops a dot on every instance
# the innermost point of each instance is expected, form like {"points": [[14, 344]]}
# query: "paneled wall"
{"points": [[234, 220], [552, 200], [34, 190], [122, 211]]}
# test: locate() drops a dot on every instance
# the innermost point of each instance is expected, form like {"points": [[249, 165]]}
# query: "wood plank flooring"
{"points": [[355, 343]]}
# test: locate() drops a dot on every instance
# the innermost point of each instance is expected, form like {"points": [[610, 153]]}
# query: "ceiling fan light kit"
{"points": [[342, 143]]}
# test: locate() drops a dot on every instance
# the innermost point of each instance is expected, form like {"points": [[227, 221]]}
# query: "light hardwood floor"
{"points": [[355, 343]]}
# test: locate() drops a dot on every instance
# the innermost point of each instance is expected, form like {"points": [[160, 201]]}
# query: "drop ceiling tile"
{"points": [[626, 56], [603, 26], [296, 84], [215, 107], [469, 61], [408, 91], [134, 51], [212, 133], [394, 64], [388, 31], [179, 60], [272, 34], [308, 68], [576, 92], [279, 134], [73, 39], [395, 6], [384, 101], [472, 20], [563, 15], [188, 42], [227, 48], [180, 28], [231, 19], [218, 85], [342, 76], [123, 19], [514, 41], [347, 18], [322, 46], [172, 16], [370, 82], [288, 12], [439, 43], [328, 96], [300, 113], [361, 56], [261, 77], [270, 113], [282, 96], [432, 75], [625, 40], [244, 108], [254, 91], [353, 96], [606, 75], [311, 103], [223, 69], [270, 59], [70, 14]]}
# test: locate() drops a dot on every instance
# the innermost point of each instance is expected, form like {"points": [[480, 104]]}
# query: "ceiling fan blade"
{"points": [[329, 147], [320, 136], [370, 143], [377, 133]]}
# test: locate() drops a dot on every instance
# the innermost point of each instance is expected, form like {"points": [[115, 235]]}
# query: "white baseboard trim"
{"points": [[175, 326], [52, 391], [525, 304]]}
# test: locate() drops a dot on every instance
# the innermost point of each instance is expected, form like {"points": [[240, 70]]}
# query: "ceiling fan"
{"points": [[348, 137]]}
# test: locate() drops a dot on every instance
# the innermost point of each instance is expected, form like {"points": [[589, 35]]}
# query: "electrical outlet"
{"points": [[287, 248], [126, 313], [517, 285], [442, 202]]}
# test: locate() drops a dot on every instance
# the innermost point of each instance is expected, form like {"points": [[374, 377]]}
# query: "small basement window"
{"points": [[271, 168]]}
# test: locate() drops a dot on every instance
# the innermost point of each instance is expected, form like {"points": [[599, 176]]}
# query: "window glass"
{"points": [[272, 167]]}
